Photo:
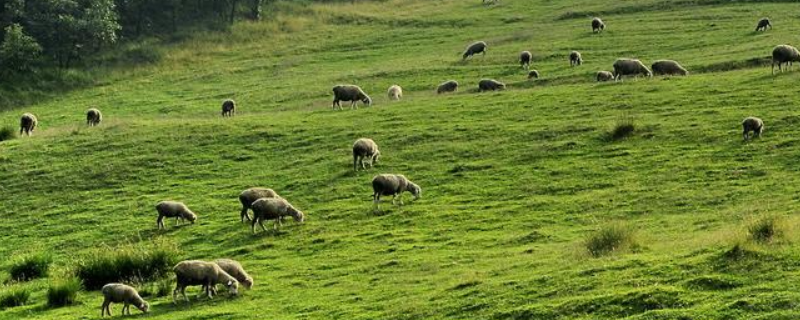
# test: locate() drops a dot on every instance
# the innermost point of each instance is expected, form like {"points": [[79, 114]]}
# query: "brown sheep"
{"points": [[447, 86], [668, 67], [525, 59], [350, 93], [27, 123], [784, 54], [490, 84], [475, 48], [228, 108], [754, 125]]}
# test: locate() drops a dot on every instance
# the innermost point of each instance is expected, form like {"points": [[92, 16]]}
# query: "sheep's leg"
{"points": [[355, 162], [275, 225], [103, 309], [253, 224], [160, 222], [126, 308], [394, 197], [244, 214], [261, 223]]}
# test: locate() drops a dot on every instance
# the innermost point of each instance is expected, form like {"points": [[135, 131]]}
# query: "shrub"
{"points": [[19, 51], [764, 230], [161, 288], [608, 239], [7, 133], [64, 292], [128, 263], [14, 297], [623, 128], [30, 267]]}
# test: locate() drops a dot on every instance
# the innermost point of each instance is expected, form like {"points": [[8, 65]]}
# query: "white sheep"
{"points": [[120, 293], [754, 125], [365, 148], [93, 117], [273, 209], [784, 54], [173, 209], [604, 76], [393, 185], [395, 92], [235, 269], [201, 273], [249, 196], [626, 67], [668, 67]]}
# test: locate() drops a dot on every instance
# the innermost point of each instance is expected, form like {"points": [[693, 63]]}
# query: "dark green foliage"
{"points": [[30, 267], [63, 292], [7, 133], [623, 128], [138, 262], [764, 229], [14, 297], [608, 239], [19, 51]]}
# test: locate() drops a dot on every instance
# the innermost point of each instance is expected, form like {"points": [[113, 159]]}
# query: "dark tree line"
{"points": [[60, 32]]}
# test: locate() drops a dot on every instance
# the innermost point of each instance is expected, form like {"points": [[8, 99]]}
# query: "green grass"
{"points": [[514, 181], [14, 297]]}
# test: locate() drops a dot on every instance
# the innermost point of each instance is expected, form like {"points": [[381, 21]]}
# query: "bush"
{"points": [[609, 239], [63, 293], [624, 128], [19, 51], [7, 133], [129, 263], [763, 230], [14, 297], [161, 288], [30, 267]]}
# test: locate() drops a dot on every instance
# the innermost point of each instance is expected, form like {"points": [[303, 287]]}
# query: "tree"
{"points": [[19, 51]]}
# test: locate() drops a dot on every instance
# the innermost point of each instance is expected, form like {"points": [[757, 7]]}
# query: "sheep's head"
{"points": [[298, 216], [367, 101], [191, 217], [233, 287], [145, 307], [415, 190], [248, 282], [502, 86], [375, 156]]}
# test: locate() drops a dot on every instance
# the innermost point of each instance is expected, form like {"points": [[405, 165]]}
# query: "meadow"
{"points": [[514, 182]]}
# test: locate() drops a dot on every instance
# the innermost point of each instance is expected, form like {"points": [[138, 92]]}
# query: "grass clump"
{"points": [[128, 263], [764, 230], [161, 288], [30, 267], [623, 128], [64, 293], [7, 133], [608, 239], [14, 297]]}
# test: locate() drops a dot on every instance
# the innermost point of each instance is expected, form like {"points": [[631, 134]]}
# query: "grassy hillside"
{"points": [[513, 182]]}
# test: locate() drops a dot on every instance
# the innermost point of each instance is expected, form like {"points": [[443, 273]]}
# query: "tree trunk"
{"points": [[233, 10], [255, 10]]}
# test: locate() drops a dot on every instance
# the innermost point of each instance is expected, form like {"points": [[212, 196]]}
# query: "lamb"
{"points": [[273, 209], [447, 86], [753, 124], [27, 124], [116, 293], [525, 59], [598, 25], [575, 58], [350, 93], [668, 67], [626, 67], [228, 108], [603, 76], [475, 48], [490, 84], [175, 209], [365, 148], [249, 196], [234, 269], [93, 117], [763, 24], [394, 185], [201, 273], [784, 54], [395, 92], [533, 74]]}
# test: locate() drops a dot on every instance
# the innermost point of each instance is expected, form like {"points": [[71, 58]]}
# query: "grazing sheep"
{"points": [[173, 209], [93, 117], [27, 124], [598, 25], [201, 273], [394, 185], [273, 209], [447, 86], [350, 93], [234, 269], [575, 58], [490, 84], [668, 67], [475, 48], [228, 108], [365, 148], [249, 196], [603, 76], [525, 59], [763, 24], [753, 124], [533, 74], [784, 54], [395, 92], [116, 293], [627, 67]]}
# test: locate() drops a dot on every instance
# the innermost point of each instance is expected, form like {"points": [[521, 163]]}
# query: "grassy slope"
{"points": [[512, 181]]}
